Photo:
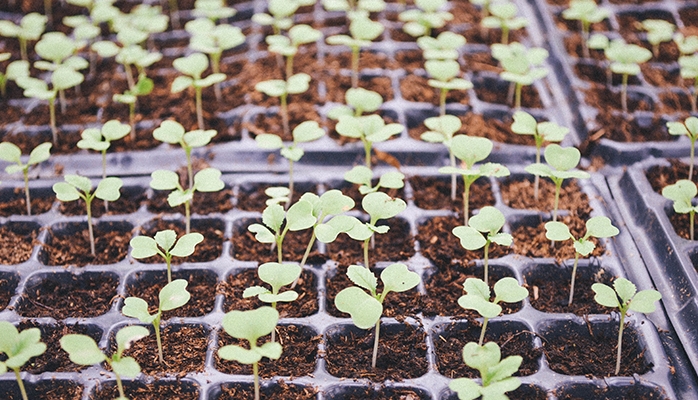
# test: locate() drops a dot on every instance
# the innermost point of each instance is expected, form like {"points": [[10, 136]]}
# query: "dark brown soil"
{"points": [[73, 248], [337, 85], [605, 99], [8, 286], [279, 391], [416, 88], [591, 391], [15, 248], [395, 245], [524, 392], [202, 204], [512, 338], [208, 250], [445, 287], [660, 176], [246, 248], [183, 350], [494, 90], [369, 393], [519, 193], [549, 289], [55, 359], [298, 358], [591, 350], [43, 390], [401, 353], [15, 204], [202, 287], [397, 305], [161, 390], [438, 243], [681, 224], [64, 295], [622, 129], [128, 203], [305, 305], [434, 193], [254, 198], [530, 241]]}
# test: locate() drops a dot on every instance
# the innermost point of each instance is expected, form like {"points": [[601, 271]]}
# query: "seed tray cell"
{"points": [[432, 384], [655, 96]]}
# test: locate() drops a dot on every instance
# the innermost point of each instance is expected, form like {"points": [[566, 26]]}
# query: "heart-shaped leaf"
{"points": [[364, 309]]}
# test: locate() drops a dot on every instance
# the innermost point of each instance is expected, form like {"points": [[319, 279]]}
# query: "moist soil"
{"points": [[368, 393], [520, 194], [496, 128], [300, 345], [416, 88], [395, 245], [513, 340], [203, 203], [8, 285], [273, 123], [661, 176], [305, 305], [434, 193], [67, 295], [401, 353], [141, 391], [396, 305], [15, 248], [73, 248], [246, 248], [201, 286], [16, 204], [182, 349], [445, 286], [208, 250], [530, 240], [549, 289], [438, 244], [681, 224], [129, 202], [55, 359], [584, 392], [591, 350], [255, 199], [279, 391], [43, 390]]}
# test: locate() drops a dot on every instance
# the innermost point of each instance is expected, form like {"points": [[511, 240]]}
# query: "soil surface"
{"points": [[279, 391], [15, 204], [298, 358], [395, 245], [8, 285], [520, 194], [368, 393], [636, 391], [203, 203], [55, 359], [128, 202], [434, 193], [246, 248], [530, 241], [661, 176], [305, 305], [141, 391], [64, 295], [15, 247], [43, 390], [73, 248], [401, 353]]}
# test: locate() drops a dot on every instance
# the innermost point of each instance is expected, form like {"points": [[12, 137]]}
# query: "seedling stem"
{"points": [[355, 66]]}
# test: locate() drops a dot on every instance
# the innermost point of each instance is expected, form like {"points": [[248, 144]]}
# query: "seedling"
{"points": [[444, 74], [469, 150], [294, 84], [213, 39], [307, 131], [171, 296], [625, 297], [354, 8], [503, 16], [359, 101], [276, 223], [488, 221], [422, 20], [277, 195], [563, 160], [658, 32], [484, 6], [689, 70], [212, 9], [30, 28], [251, 325], [277, 276], [14, 70], [522, 66], [206, 180], [366, 309], [525, 124], [443, 47], [173, 132], [587, 12], [280, 14], [62, 78], [441, 130], [682, 193], [193, 66], [83, 350], [11, 153], [687, 44], [363, 176], [18, 348], [84, 31], [598, 227], [79, 187], [369, 128], [689, 128], [363, 31], [288, 46], [477, 297], [625, 60], [496, 375], [165, 244]]}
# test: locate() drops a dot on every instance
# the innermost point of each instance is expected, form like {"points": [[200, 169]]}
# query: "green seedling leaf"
{"points": [[174, 295], [363, 277], [381, 206], [40, 153], [108, 189], [508, 290], [239, 354], [250, 325], [444, 46], [193, 65], [186, 244], [364, 309], [278, 275], [300, 216], [19, 347], [307, 131], [601, 227], [135, 307], [169, 132], [262, 234], [489, 219], [269, 141], [164, 180], [470, 238], [681, 193], [82, 349], [208, 180], [471, 149], [10, 152], [397, 278], [557, 231], [126, 336], [482, 305], [327, 232], [364, 100], [127, 367], [562, 158]]}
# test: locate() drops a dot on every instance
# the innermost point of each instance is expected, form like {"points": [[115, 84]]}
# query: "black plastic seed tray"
{"points": [[655, 97], [667, 376]]}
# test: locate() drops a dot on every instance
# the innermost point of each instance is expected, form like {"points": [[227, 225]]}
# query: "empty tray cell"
{"points": [[17, 241]]}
